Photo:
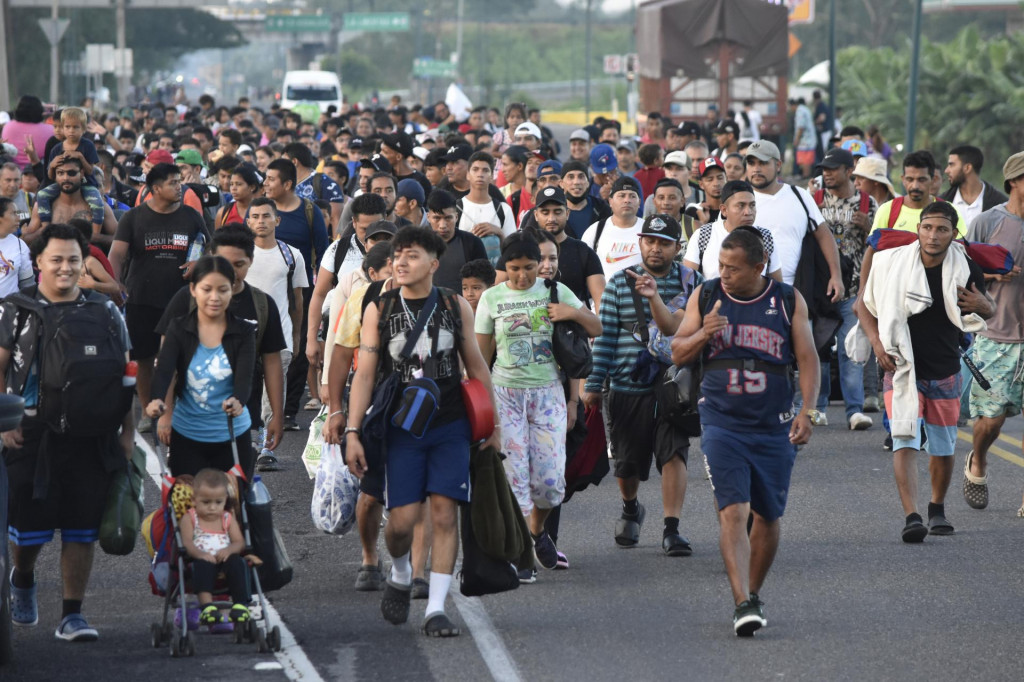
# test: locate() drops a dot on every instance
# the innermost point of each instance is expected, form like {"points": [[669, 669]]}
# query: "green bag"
{"points": [[122, 516]]}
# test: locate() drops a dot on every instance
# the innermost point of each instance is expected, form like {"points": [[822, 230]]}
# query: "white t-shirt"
{"points": [[709, 263], [474, 213], [269, 274], [15, 264], [754, 131], [782, 214], [353, 257], [619, 247], [969, 211]]}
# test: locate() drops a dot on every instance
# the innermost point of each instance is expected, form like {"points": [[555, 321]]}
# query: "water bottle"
{"points": [[131, 371], [259, 493], [195, 250]]}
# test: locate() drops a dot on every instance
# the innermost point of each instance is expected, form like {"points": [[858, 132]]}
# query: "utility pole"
{"points": [[586, 67], [5, 84], [832, 66], [458, 39], [120, 63], [914, 59], [54, 56]]}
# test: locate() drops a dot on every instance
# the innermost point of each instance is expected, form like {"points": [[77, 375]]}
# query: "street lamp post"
{"points": [[914, 59]]}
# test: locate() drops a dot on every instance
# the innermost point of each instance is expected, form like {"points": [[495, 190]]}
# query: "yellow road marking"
{"points": [[995, 449], [1006, 439]]}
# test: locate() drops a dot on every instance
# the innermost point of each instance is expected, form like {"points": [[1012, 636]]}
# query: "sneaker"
{"points": [[291, 425], [527, 576], [420, 588], [261, 439], [312, 405], [210, 616], [819, 418], [860, 421], [872, 404], [887, 445], [544, 548], [24, 608], [370, 578], [748, 618], [145, 424], [74, 628], [755, 600], [239, 613], [267, 461], [563, 562]]}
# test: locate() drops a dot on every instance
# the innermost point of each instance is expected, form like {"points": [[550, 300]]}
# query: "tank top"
{"points": [[758, 329], [208, 540]]}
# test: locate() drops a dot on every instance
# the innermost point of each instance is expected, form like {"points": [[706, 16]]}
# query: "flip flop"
{"points": [[975, 487], [439, 625], [394, 605]]}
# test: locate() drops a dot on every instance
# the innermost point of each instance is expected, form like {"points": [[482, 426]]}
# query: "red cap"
{"points": [[159, 156], [710, 162]]}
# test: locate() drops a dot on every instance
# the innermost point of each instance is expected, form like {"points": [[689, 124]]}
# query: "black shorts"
{"points": [[75, 497], [638, 436], [372, 483], [188, 456], [141, 321]]}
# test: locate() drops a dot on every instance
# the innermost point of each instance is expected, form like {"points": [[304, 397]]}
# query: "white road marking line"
{"points": [[488, 641], [292, 658]]}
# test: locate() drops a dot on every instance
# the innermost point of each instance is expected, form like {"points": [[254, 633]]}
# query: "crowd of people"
{"points": [[254, 264]]}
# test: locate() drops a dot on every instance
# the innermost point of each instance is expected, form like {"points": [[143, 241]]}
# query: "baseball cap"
{"points": [[677, 159], [528, 128], [763, 150], [134, 172], [243, 148], [411, 189], [574, 165], [401, 142], [381, 227], [126, 112], [735, 187], [728, 127], [602, 159], [431, 135], [836, 158], [1013, 169], [355, 143], [579, 134], [856, 147], [552, 167], [662, 226], [155, 112], [550, 195], [159, 156], [625, 182], [626, 143], [708, 164], [377, 163], [686, 128], [458, 152], [420, 153], [189, 156]]}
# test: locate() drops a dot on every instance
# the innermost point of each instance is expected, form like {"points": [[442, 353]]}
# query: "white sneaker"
{"points": [[860, 421]]}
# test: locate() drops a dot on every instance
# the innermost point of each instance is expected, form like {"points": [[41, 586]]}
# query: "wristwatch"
{"points": [[352, 429]]}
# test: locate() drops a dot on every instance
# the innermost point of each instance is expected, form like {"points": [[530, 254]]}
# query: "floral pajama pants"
{"points": [[533, 426]]}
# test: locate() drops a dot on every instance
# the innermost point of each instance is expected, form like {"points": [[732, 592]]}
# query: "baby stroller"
{"points": [[170, 575]]}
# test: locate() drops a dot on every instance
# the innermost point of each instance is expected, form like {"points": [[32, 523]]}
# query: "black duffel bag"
{"points": [[570, 344]]}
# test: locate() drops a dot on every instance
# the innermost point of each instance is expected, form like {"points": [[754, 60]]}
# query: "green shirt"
{"points": [[519, 322]]}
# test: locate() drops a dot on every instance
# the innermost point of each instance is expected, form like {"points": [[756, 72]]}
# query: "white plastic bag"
{"points": [[315, 443], [335, 492]]}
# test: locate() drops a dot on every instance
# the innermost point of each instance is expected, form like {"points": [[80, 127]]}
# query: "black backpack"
{"points": [[81, 363]]}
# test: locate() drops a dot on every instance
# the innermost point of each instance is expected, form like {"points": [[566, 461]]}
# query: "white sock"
{"points": [[439, 584], [401, 570]]}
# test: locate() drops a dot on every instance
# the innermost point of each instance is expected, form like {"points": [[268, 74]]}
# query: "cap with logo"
{"points": [[528, 128], [602, 159], [625, 182], [551, 195], [836, 158], [709, 163], [458, 152], [686, 129], [677, 158], [764, 151], [662, 226], [552, 167], [735, 187], [134, 172], [355, 143], [726, 127], [858, 148], [377, 163], [401, 142]]}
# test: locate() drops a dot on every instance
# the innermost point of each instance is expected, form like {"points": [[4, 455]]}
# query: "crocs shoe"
{"points": [[420, 588], [74, 628], [210, 616], [191, 616], [975, 487], [239, 613], [24, 608]]}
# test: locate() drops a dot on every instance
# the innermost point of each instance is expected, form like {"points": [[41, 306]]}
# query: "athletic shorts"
{"points": [[805, 157], [141, 321], [749, 466], [1003, 366], [75, 497], [437, 464], [372, 483], [638, 436], [938, 411]]}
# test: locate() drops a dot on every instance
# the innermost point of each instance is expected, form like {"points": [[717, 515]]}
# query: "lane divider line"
{"points": [[293, 659], [995, 449], [488, 641]]}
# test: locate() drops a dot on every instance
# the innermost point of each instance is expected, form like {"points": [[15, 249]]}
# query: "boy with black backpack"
{"points": [[65, 351]]}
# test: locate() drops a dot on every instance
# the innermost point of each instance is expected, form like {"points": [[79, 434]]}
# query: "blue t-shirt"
{"points": [[329, 190], [198, 413]]}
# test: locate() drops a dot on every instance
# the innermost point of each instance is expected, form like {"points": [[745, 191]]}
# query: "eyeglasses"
{"points": [[69, 173]]}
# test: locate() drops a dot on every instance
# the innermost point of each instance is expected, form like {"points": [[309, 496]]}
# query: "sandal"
{"points": [[627, 528], [439, 625], [394, 605], [938, 525], [975, 487]]}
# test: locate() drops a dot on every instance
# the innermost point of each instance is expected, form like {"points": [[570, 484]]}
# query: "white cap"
{"points": [[676, 158], [420, 153], [528, 128]]}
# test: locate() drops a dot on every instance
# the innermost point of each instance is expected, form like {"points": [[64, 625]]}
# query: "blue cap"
{"points": [[856, 147], [411, 189], [602, 159], [552, 167]]}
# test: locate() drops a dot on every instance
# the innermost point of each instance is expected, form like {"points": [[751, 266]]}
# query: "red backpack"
{"points": [[897, 206]]}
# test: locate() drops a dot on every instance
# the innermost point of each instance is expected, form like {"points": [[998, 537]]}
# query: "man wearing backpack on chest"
{"points": [[848, 214], [635, 430], [55, 340]]}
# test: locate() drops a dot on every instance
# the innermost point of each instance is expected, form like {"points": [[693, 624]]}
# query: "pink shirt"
{"points": [[14, 132]]}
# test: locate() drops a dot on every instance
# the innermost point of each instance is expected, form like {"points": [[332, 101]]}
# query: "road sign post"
{"points": [[426, 67], [376, 22], [298, 23]]}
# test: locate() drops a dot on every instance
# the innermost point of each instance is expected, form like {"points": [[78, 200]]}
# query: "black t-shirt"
{"points": [[934, 338], [158, 245], [576, 262], [241, 306], [449, 271]]}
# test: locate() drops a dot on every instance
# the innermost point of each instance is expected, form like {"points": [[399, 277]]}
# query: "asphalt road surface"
{"points": [[846, 600]]}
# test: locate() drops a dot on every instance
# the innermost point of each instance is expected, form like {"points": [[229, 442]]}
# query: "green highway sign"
{"points": [[298, 23], [425, 66], [376, 21]]}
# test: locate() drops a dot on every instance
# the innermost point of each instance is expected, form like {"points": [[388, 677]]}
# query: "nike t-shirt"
{"points": [[619, 247]]}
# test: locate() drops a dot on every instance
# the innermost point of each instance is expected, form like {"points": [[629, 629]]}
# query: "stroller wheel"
{"points": [[156, 635], [190, 645], [261, 641], [238, 634], [252, 630], [274, 638], [166, 632]]}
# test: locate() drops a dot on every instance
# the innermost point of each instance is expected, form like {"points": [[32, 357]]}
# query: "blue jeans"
{"points": [[851, 374]]}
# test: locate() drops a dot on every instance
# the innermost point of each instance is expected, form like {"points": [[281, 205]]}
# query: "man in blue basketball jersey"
{"points": [[749, 329]]}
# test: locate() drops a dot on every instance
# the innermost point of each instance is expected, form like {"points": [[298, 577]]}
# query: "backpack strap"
{"points": [[865, 202], [310, 216], [703, 239], [811, 227], [318, 184], [600, 230], [289, 260], [638, 307], [894, 211]]}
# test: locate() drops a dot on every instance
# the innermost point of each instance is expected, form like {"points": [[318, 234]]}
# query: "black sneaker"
{"points": [[755, 600], [544, 548], [267, 462], [527, 576], [887, 445], [291, 425], [748, 619]]}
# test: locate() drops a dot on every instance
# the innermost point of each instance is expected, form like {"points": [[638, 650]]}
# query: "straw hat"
{"points": [[872, 168]]}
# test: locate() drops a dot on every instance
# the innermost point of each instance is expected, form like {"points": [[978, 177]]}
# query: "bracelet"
{"points": [[352, 429], [332, 415]]}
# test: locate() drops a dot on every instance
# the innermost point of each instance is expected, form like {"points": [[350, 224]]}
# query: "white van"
{"points": [[322, 88]]}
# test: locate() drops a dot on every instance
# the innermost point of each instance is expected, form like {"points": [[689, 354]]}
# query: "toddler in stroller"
{"points": [[211, 535]]}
